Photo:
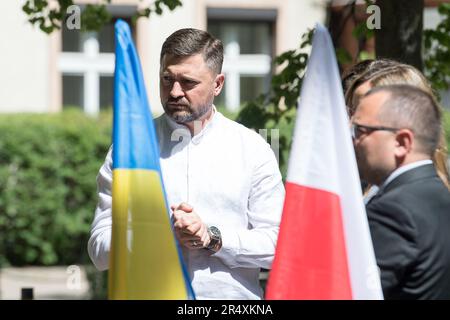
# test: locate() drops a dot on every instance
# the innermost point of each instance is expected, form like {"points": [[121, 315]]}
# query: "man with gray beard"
{"points": [[222, 180]]}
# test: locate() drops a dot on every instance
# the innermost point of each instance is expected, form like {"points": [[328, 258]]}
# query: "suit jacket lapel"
{"points": [[425, 171]]}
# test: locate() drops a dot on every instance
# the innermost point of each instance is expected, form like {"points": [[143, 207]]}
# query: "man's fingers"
{"points": [[184, 207], [186, 218], [197, 240], [187, 226], [192, 229], [205, 237], [183, 217]]}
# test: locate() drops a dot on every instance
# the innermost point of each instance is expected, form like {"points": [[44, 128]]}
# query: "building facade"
{"points": [[46, 73]]}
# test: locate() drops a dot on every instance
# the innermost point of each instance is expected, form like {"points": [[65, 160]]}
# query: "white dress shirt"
{"points": [[230, 176]]}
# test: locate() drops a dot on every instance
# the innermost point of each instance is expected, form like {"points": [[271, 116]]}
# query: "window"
{"points": [[87, 64], [248, 40], [72, 90]]}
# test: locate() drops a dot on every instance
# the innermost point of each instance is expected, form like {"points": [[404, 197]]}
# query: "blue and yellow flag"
{"points": [[145, 261]]}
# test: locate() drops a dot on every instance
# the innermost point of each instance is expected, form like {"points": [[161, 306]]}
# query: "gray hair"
{"points": [[189, 41], [413, 108]]}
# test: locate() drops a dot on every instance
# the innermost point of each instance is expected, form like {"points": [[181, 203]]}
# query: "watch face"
{"points": [[215, 232], [215, 236]]}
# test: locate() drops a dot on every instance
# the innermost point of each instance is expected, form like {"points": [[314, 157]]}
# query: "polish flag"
{"points": [[324, 248]]}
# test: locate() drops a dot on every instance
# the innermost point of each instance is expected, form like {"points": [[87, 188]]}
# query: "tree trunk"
{"points": [[400, 35]]}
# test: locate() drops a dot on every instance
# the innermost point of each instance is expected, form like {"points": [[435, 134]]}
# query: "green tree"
{"points": [[265, 111], [437, 51], [276, 109]]}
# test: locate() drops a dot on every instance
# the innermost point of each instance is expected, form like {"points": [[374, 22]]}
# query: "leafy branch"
{"points": [[271, 110], [50, 15], [437, 53]]}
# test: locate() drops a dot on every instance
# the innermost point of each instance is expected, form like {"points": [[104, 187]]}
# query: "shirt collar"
{"points": [[403, 169], [184, 131]]}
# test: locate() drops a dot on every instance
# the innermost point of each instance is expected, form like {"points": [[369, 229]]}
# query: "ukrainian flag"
{"points": [[145, 260]]}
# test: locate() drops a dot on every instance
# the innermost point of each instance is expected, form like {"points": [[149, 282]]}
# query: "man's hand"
{"points": [[190, 231]]}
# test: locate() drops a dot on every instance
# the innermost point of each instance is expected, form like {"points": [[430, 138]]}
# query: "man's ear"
{"points": [[218, 84], [404, 140]]}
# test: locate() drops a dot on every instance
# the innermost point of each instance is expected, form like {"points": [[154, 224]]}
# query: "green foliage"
{"points": [[265, 111], [48, 165], [49, 17], [40, 13], [343, 56], [446, 124], [157, 7], [94, 17], [362, 33], [437, 54], [276, 109]]}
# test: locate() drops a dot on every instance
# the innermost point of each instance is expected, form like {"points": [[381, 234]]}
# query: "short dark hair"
{"points": [[413, 108], [187, 42]]}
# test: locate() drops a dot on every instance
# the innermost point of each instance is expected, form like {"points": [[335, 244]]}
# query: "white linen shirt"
{"points": [[230, 176]]}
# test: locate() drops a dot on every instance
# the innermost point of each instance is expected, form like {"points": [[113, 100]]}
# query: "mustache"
{"points": [[177, 103]]}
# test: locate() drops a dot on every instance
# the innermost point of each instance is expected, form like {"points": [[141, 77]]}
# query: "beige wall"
{"points": [[24, 62], [298, 16]]}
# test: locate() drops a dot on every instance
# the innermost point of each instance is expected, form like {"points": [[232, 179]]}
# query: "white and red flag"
{"points": [[324, 248]]}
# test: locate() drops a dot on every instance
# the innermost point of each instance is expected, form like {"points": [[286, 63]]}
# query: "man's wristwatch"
{"points": [[216, 239]]}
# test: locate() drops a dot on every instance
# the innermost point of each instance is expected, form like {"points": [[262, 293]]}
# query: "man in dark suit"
{"points": [[396, 131]]}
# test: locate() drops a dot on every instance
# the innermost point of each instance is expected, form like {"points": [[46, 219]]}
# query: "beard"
{"points": [[183, 113]]}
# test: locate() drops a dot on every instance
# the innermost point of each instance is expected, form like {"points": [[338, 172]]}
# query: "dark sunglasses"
{"points": [[358, 130]]}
